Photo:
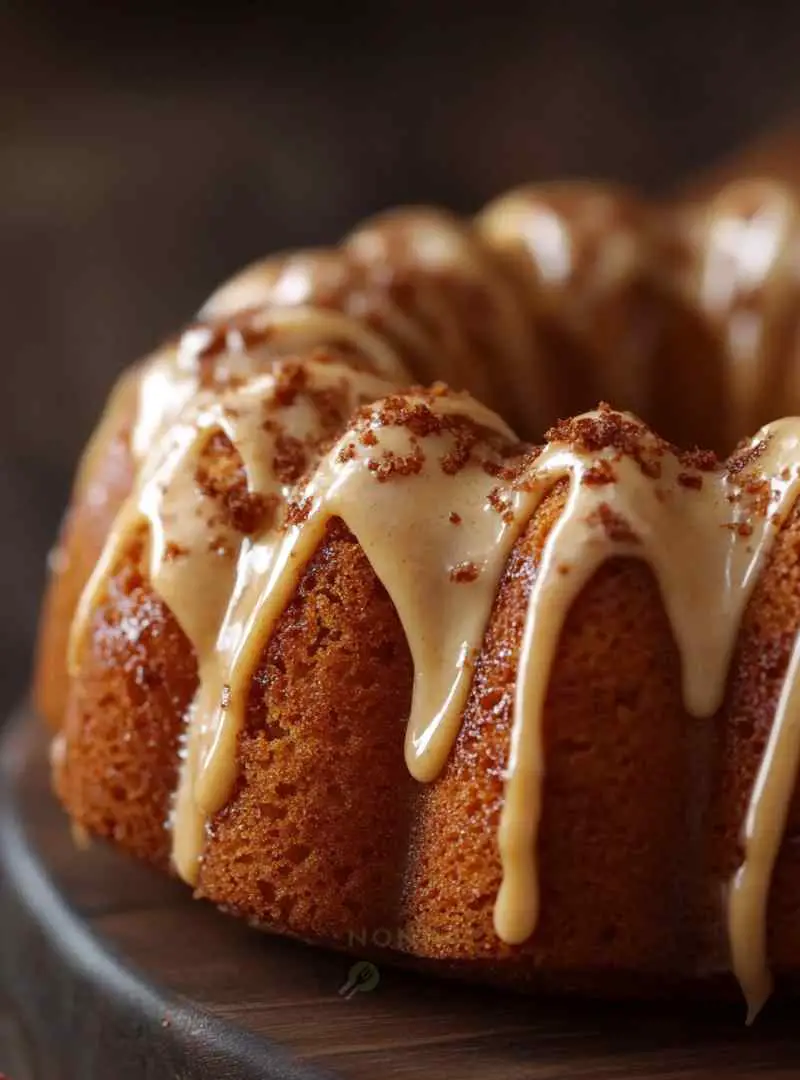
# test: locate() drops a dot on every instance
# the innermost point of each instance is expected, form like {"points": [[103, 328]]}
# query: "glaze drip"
{"points": [[705, 534], [762, 834], [369, 479]]}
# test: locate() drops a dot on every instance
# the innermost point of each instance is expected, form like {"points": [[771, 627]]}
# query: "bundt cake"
{"points": [[326, 639]]}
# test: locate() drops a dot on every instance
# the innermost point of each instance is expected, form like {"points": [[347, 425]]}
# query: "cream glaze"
{"points": [[170, 378], [438, 537]]}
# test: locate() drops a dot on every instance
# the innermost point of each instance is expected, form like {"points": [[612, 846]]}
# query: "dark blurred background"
{"points": [[144, 156]]}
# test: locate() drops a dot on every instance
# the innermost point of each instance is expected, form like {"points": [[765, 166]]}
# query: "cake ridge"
{"points": [[579, 274]]}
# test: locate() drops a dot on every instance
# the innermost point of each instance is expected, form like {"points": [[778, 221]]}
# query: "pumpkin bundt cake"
{"points": [[326, 639]]}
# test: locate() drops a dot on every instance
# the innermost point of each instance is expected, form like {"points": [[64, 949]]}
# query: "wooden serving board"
{"points": [[109, 972]]}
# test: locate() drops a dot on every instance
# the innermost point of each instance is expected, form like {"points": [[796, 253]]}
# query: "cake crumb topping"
{"points": [[464, 572], [614, 524]]}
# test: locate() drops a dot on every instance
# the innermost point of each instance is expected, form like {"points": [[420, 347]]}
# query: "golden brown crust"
{"points": [[312, 840], [103, 483], [117, 767]]}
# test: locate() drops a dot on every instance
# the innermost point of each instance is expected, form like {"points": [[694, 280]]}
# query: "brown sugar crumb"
{"points": [[174, 551], [454, 461], [392, 465], [290, 460], [607, 429], [745, 457], [253, 513], [602, 472], [467, 436], [500, 505], [514, 466], [615, 526], [417, 417], [702, 460], [245, 511], [611, 430], [297, 512], [563, 568], [758, 494], [455, 519], [741, 528], [414, 412], [522, 474], [690, 480], [291, 379], [332, 406], [347, 453], [756, 486], [464, 572]]}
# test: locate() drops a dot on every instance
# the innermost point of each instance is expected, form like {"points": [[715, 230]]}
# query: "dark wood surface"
{"points": [[109, 971]]}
